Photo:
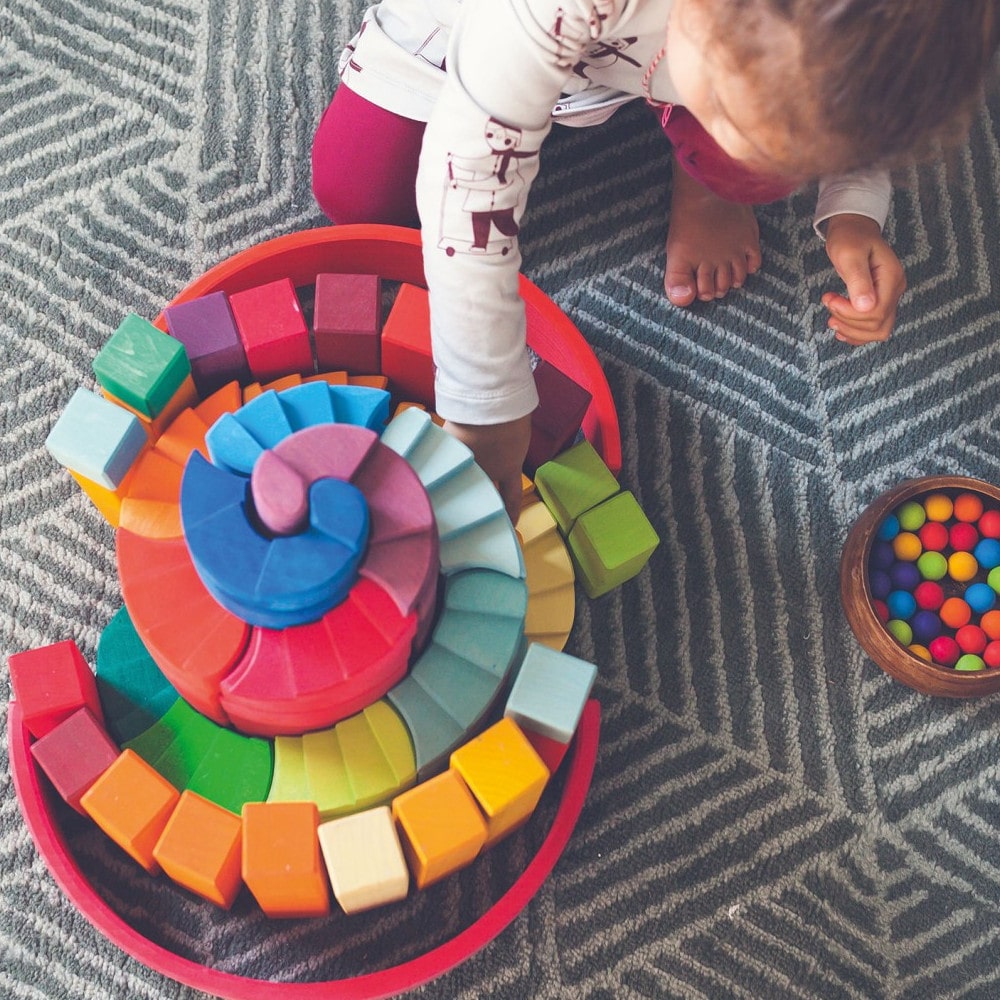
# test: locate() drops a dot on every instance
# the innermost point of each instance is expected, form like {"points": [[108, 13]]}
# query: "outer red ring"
{"points": [[37, 807]]}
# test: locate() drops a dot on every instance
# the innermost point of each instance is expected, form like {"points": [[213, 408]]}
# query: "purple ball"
{"points": [[880, 584], [926, 626], [882, 556], [904, 575]]}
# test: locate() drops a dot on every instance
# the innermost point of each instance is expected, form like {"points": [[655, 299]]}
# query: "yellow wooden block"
{"points": [[393, 738], [441, 827], [504, 773], [108, 502], [200, 849], [364, 859]]}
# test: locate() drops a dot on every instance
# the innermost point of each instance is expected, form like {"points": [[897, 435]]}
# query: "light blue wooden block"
{"points": [[307, 405], [438, 456], [491, 544], [96, 438], [405, 430], [362, 406], [549, 692], [231, 446], [463, 501]]}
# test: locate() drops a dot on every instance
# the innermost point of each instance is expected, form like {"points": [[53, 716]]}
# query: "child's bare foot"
{"points": [[712, 245]]}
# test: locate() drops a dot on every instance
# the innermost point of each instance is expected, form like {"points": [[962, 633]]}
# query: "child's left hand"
{"points": [[873, 275]]}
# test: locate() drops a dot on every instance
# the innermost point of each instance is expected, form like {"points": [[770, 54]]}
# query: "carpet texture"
{"points": [[771, 816]]}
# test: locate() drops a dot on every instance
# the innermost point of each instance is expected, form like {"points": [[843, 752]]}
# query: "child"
{"points": [[756, 97]]}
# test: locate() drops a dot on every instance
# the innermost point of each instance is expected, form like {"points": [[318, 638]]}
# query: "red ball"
{"points": [[945, 650], [989, 524], [929, 595], [971, 639], [881, 610], [963, 537], [991, 654], [933, 535]]}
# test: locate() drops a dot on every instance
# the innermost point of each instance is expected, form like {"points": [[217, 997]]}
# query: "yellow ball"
{"points": [[962, 566], [920, 651], [938, 507], [907, 546]]}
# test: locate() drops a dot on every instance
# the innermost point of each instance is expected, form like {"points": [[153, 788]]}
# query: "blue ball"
{"points": [[889, 528], [880, 584], [987, 553], [926, 626], [981, 597], [882, 556], [902, 604], [905, 575]]}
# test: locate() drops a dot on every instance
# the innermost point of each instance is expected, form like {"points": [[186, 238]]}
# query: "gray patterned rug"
{"points": [[771, 815]]}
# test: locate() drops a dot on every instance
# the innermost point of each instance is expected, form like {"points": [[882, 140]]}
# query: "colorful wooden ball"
{"points": [[901, 604], [921, 652], [990, 624], [987, 553], [962, 566], [911, 515], [963, 537], [970, 663], [880, 584], [900, 630], [889, 528], [938, 506], [994, 579], [933, 565], [882, 555], [971, 639], [991, 655], [904, 575], [981, 597], [881, 610], [968, 507], [907, 546], [926, 625], [944, 650], [989, 524], [955, 612], [933, 536], [929, 595]]}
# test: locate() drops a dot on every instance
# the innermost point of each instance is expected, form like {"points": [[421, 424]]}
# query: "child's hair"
{"points": [[890, 82]]}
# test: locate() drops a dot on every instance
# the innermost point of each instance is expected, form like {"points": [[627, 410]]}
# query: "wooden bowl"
{"points": [[855, 594]]}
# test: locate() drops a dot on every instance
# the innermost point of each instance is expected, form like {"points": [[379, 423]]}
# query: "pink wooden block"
{"points": [[51, 683], [75, 754], [347, 320], [273, 330], [280, 495]]}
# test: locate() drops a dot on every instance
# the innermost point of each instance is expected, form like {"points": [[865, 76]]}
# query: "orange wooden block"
{"points": [[151, 507], [185, 396], [282, 865], [331, 378], [131, 803], [369, 381], [185, 434], [441, 827], [254, 389], [108, 502], [406, 345], [228, 399], [200, 849], [504, 773]]}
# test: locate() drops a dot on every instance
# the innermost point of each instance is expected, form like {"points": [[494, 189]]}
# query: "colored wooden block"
{"points": [[273, 330], [131, 803], [108, 502], [308, 405], [363, 406], [347, 321], [406, 345], [281, 861], [186, 397], [335, 378], [227, 399], [51, 683], [462, 688], [75, 754], [193, 640], [289, 782], [96, 439], [573, 482], [550, 577], [433, 731], [265, 418], [441, 827], [557, 419], [377, 763], [201, 849], [327, 781], [463, 501], [151, 507], [369, 381], [206, 328], [551, 752], [142, 366], [549, 692], [134, 693], [505, 775], [255, 389], [364, 860], [231, 446], [610, 543], [185, 434]]}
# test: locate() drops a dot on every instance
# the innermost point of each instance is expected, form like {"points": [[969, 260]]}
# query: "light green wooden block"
{"points": [[573, 483]]}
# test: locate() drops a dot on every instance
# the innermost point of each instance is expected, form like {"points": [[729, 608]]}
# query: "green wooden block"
{"points": [[488, 592], [327, 780], [368, 769], [134, 693], [142, 366], [610, 543], [549, 692], [463, 689], [573, 483]]}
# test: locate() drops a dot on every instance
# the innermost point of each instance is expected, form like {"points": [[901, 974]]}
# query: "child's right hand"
{"points": [[500, 450]]}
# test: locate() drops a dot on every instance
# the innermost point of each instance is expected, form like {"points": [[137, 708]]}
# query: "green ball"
{"points": [[900, 630], [970, 663], [911, 515], [932, 565], [994, 578]]}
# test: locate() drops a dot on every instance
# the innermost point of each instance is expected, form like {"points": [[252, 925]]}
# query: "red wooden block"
{"points": [[347, 320], [75, 754], [406, 346], [562, 405], [273, 330], [51, 683], [551, 751]]}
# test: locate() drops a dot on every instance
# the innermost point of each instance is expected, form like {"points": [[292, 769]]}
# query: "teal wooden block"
{"points": [[462, 688], [96, 438], [433, 731], [134, 693], [610, 543], [549, 692], [463, 501], [492, 642], [491, 544], [486, 592], [573, 483], [142, 366]]}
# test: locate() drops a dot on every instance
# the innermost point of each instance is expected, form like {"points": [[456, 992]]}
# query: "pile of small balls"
{"points": [[934, 577]]}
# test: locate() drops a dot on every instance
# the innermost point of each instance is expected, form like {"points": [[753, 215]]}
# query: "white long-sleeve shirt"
{"points": [[489, 77]]}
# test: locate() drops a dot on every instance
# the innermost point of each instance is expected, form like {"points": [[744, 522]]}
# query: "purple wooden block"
{"points": [[206, 328], [347, 321], [562, 405]]}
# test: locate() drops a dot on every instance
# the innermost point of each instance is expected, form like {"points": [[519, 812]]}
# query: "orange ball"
{"points": [[968, 507], [955, 612], [938, 507], [962, 566], [907, 546], [990, 623]]}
